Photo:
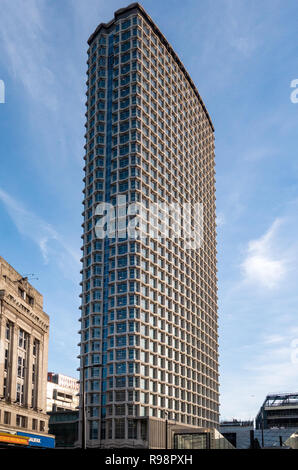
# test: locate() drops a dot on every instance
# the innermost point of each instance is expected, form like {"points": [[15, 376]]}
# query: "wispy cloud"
{"points": [[261, 265], [273, 339], [52, 246], [25, 48], [259, 153], [269, 369], [273, 367], [41, 58], [266, 346], [220, 219]]}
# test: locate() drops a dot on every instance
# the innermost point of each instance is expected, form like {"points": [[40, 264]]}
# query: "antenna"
{"points": [[27, 277], [30, 277]]}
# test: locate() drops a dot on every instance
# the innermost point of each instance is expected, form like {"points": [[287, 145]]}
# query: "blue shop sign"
{"points": [[36, 440]]}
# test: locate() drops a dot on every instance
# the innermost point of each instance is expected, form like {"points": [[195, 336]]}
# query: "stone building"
{"points": [[24, 336]]}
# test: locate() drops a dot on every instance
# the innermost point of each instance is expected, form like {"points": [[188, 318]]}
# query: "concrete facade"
{"points": [[24, 336], [149, 342], [62, 393], [279, 410]]}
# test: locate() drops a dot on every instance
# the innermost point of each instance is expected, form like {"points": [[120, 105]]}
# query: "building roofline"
{"points": [[168, 46], [17, 274]]}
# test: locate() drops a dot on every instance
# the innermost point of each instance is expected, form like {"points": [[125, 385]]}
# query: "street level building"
{"points": [[149, 342], [64, 426], [24, 336], [62, 393]]}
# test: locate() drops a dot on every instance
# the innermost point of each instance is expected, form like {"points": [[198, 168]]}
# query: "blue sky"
{"points": [[242, 55]]}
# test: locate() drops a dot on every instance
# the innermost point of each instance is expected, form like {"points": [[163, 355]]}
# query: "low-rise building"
{"points": [[244, 435], [62, 393]]}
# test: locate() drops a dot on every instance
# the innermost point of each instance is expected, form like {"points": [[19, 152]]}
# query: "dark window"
{"points": [[7, 417]]}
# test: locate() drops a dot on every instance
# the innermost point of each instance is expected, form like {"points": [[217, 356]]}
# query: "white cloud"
{"points": [[261, 265], [51, 244], [47, 80], [26, 50]]}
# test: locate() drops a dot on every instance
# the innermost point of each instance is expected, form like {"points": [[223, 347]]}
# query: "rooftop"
{"points": [[142, 11]]}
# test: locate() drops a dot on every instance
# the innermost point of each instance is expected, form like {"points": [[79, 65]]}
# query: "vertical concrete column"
{"points": [[2, 346], [113, 428], [38, 386], [126, 428], [45, 372]]}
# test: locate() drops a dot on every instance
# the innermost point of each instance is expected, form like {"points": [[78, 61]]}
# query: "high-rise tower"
{"points": [[149, 344]]}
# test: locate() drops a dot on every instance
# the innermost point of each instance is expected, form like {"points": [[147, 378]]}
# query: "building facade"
{"points": [[236, 430], [279, 410], [24, 336], [62, 393], [149, 342], [247, 437]]}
